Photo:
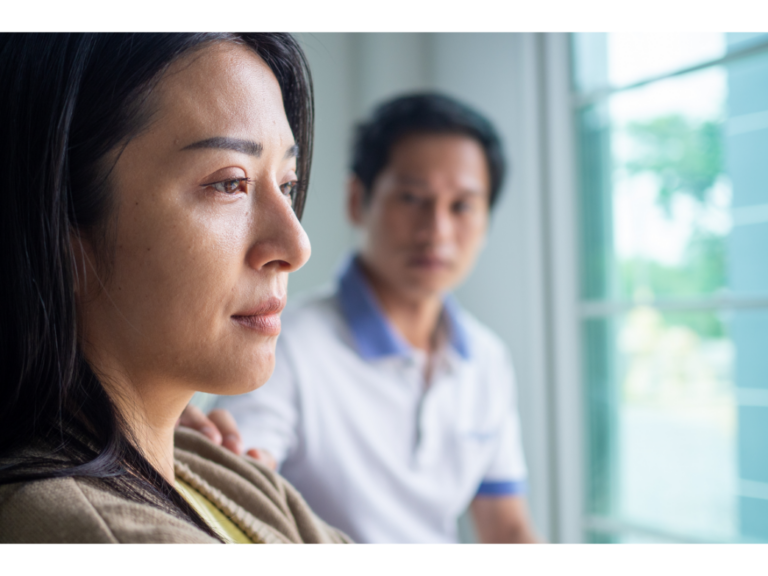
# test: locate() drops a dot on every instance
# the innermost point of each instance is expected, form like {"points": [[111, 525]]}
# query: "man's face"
{"points": [[427, 216]]}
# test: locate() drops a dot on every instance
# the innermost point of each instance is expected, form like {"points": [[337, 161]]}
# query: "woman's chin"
{"points": [[249, 375], [233, 388], [250, 386]]}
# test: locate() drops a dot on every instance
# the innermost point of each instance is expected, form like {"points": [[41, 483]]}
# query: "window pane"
{"points": [[590, 61], [600, 537], [636, 57], [672, 176], [673, 206], [678, 413], [616, 60]]}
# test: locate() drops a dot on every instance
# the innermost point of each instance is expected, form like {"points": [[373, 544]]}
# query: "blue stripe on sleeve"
{"points": [[503, 488]]}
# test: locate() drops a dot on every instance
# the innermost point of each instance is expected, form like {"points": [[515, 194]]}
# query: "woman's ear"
{"points": [[355, 200]]}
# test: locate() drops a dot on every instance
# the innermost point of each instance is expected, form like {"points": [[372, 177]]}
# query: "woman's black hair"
{"points": [[423, 113], [68, 104]]}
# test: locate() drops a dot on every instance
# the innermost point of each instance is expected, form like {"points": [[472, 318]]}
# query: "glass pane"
{"points": [[590, 61], [617, 60], [598, 537], [638, 56], [678, 422], [673, 201], [595, 205], [742, 40]]}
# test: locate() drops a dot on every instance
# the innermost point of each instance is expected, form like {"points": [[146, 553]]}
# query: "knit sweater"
{"points": [[79, 510]]}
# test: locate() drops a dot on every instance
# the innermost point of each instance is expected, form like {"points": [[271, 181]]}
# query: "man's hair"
{"points": [[424, 113]]}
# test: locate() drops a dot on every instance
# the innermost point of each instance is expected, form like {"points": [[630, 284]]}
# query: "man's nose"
{"points": [[438, 223]]}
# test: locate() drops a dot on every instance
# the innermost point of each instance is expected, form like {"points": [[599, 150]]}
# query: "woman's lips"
{"points": [[267, 324], [263, 318]]}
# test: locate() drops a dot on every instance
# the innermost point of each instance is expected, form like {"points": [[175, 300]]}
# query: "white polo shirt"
{"points": [[353, 427]]}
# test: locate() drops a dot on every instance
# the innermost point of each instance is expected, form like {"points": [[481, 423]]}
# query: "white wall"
{"points": [[332, 61], [496, 74]]}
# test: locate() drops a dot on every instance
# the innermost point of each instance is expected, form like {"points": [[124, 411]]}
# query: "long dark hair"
{"points": [[68, 102]]}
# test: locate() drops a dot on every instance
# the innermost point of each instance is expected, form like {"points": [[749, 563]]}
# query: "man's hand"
{"points": [[502, 519], [220, 428], [264, 457]]}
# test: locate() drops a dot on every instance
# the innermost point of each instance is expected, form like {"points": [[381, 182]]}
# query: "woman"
{"points": [[152, 186]]}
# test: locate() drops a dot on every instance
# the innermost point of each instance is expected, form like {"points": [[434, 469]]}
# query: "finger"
{"points": [[193, 417], [228, 427], [264, 457]]}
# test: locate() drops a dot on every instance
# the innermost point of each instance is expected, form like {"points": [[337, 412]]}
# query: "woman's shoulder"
{"points": [[79, 510], [259, 500], [49, 511], [75, 510]]}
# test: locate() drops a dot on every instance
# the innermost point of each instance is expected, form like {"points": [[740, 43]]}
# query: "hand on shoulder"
{"points": [[220, 428]]}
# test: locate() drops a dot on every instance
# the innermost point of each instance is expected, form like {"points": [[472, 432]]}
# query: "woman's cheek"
{"points": [[179, 270]]}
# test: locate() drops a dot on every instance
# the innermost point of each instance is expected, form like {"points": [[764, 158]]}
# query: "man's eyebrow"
{"points": [[222, 143]]}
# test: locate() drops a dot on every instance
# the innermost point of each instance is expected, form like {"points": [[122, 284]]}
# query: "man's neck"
{"points": [[415, 318]]}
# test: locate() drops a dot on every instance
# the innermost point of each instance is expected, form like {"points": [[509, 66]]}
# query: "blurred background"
{"points": [[623, 267]]}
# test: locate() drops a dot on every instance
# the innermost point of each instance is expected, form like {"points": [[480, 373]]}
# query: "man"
{"points": [[391, 409]]}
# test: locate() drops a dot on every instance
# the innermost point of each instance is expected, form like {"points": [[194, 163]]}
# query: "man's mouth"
{"points": [[426, 262]]}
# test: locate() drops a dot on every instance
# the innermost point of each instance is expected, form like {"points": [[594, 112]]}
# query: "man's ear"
{"points": [[355, 200]]}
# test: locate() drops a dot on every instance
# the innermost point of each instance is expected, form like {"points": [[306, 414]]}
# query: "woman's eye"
{"points": [[290, 188], [229, 186]]}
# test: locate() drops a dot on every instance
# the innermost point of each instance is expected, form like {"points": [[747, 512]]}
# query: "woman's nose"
{"points": [[278, 238]]}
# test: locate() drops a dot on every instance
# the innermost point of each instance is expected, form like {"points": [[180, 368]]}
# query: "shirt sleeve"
{"points": [[269, 417], [507, 473]]}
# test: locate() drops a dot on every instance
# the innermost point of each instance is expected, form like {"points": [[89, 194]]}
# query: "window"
{"points": [[672, 154]]}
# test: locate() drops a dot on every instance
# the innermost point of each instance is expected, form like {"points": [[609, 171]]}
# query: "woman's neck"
{"points": [[150, 410], [152, 421]]}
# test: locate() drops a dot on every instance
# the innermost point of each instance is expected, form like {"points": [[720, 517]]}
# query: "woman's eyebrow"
{"points": [[292, 152], [222, 143]]}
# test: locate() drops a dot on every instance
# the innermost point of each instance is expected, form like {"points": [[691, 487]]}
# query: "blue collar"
{"points": [[374, 336]]}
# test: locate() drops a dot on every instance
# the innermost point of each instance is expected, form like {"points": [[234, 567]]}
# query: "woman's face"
{"points": [[201, 255]]}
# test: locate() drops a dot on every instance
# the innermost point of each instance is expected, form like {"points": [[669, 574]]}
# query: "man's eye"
{"points": [[229, 186], [409, 198], [460, 207], [290, 189]]}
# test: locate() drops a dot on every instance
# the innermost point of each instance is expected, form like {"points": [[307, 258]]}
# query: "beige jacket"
{"points": [[68, 510]]}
